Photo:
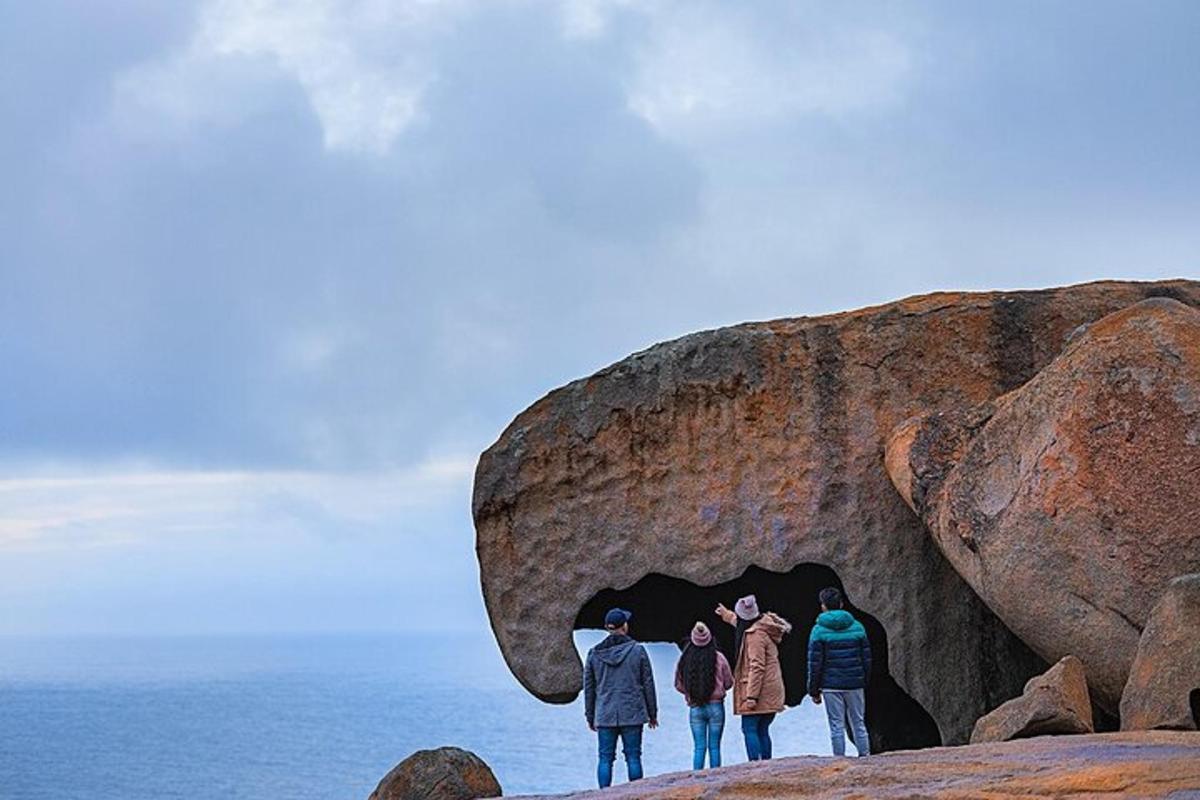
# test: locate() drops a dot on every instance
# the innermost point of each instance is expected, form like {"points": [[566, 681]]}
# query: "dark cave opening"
{"points": [[1103, 721], [665, 609], [1194, 699]]}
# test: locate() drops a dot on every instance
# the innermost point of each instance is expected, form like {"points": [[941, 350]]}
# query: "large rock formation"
{"points": [[1054, 703], [762, 444], [1069, 503], [448, 773], [1164, 684], [1143, 765]]}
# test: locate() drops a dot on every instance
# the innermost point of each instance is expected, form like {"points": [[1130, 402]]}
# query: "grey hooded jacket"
{"points": [[618, 684]]}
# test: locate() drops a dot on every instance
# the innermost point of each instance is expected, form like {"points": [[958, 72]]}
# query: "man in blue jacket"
{"points": [[839, 666], [618, 696]]}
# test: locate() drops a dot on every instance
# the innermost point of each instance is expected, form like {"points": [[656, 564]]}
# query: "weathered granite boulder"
{"points": [[1164, 684], [1145, 764], [447, 773], [1056, 702], [1069, 503], [762, 444]]}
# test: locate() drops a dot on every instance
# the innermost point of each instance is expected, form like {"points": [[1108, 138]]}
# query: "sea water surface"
{"points": [[304, 717]]}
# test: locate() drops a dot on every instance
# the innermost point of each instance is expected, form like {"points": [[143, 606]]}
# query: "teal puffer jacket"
{"points": [[839, 655]]}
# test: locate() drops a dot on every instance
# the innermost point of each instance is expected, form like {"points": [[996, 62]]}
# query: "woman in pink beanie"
{"points": [[703, 677], [758, 692]]}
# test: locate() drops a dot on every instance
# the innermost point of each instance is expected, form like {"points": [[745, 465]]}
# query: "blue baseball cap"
{"points": [[616, 617]]}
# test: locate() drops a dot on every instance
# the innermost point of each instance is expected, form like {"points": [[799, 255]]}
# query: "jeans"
{"points": [[757, 730], [631, 742], [708, 723], [839, 703]]}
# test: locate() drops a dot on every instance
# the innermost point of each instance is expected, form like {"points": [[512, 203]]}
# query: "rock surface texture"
{"points": [[762, 444], [1069, 503], [1144, 765], [1164, 684], [447, 773], [1054, 703]]}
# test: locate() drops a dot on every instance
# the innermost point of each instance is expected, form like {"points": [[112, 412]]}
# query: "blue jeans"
{"points": [[838, 704], [757, 730], [631, 742], [708, 723]]}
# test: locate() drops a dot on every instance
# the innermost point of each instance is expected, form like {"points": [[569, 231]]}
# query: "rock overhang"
{"points": [[664, 610], [762, 445]]}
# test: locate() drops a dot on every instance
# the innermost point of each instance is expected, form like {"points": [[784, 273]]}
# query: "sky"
{"points": [[273, 274]]}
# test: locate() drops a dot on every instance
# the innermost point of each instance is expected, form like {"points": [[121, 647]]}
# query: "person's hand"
{"points": [[750, 704], [653, 724], [722, 611], [817, 698]]}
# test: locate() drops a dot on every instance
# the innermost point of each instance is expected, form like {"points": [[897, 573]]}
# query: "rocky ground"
{"points": [[1145, 764]]}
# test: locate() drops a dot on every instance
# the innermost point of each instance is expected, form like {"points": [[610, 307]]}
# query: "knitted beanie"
{"points": [[701, 635], [747, 608]]}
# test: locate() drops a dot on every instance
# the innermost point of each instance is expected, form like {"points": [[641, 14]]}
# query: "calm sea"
{"points": [[301, 717]]}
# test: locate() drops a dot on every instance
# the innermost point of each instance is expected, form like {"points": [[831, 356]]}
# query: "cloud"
{"points": [[366, 65], [363, 65], [701, 67], [589, 19], [224, 288], [142, 551], [267, 250], [698, 75], [119, 508]]}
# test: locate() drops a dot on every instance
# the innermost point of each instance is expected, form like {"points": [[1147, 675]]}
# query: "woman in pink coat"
{"points": [[703, 677]]}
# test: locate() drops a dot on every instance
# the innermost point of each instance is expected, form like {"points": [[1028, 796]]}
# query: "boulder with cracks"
{"points": [[1068, 504], [761, 446]]}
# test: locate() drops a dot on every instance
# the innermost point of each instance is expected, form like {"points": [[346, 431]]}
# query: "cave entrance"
{"points": [[1194, 700], [665, 609]]}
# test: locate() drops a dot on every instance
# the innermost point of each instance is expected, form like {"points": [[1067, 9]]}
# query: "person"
{"points": [[839, 666], [703, 677], [758, 691], [618, 692]]}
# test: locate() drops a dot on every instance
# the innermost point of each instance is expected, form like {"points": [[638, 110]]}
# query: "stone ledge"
{"points": [[1142, 764]]}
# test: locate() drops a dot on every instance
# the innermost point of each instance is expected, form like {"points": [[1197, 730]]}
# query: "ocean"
{"points": [[304, 717]]}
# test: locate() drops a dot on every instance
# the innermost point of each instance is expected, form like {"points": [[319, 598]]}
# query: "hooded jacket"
{"points": [[618, 684], [839, 655], [757, 675]]}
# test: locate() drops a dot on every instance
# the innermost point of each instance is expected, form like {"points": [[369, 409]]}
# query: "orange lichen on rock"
{"points": [[1074, 502], [1144, 765]]}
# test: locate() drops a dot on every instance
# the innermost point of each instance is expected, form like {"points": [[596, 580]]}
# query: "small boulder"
{"points": [[447, 773], [1164, 683], [1055, 702]]}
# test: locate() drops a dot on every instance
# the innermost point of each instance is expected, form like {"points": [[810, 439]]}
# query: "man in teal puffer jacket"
{"points": [[839, 666]]}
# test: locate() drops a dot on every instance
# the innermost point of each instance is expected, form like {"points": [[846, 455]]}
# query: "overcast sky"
{"points": [[272, 274]]}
